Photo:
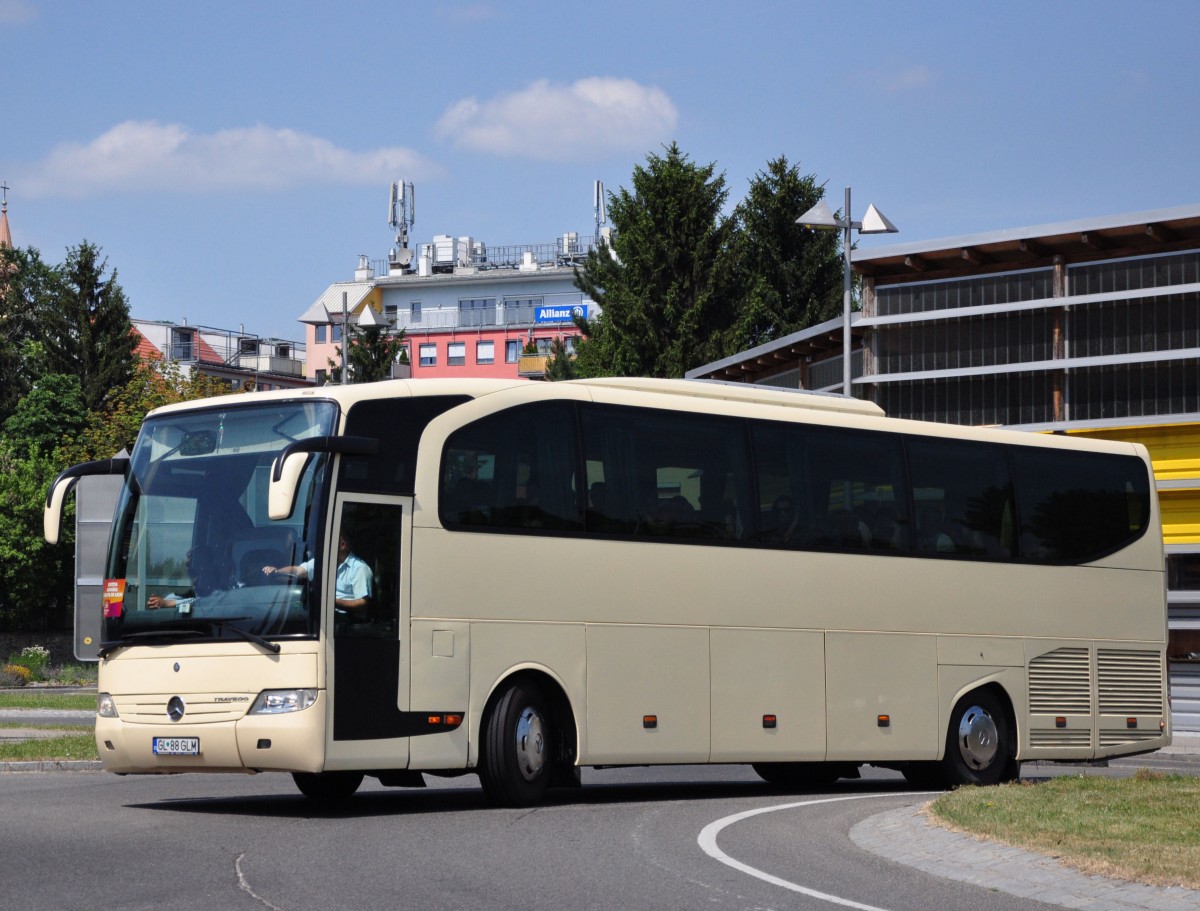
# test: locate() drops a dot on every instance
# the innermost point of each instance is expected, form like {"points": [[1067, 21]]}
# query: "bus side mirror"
{"points": [[65, 482], [285, 481], [52, 514], [290, 463]]}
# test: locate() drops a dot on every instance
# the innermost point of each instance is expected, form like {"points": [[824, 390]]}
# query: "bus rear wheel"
{"points": [[979, 747], [327, 787], [517, 759]]}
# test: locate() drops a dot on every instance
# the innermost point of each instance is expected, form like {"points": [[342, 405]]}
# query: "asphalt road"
{"points": [[630, 839]]}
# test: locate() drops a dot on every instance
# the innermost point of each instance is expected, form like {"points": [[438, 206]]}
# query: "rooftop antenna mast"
{"points": [[599, 207], [401, 215]]}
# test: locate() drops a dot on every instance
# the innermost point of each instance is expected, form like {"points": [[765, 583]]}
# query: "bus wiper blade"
{"points": [[107, 648], [227, 625]]}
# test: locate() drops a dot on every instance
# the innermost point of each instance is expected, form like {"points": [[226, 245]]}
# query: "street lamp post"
{"points": [[821, 217]]}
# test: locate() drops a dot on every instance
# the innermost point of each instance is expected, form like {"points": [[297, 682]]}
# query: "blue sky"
{"points": [[233, 159]]}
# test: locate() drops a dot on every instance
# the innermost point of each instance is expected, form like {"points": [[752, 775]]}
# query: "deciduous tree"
{"points": [[114, 427], [28, 290]]}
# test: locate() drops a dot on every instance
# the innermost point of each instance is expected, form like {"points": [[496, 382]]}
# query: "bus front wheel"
{"points": [[328, 787], [979, 747], [516, 763]]}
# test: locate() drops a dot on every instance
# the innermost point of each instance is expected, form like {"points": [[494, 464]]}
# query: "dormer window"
{"points": [[183, 344]]}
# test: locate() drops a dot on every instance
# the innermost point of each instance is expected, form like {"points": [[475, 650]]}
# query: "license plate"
{"points": [[176, 746]]}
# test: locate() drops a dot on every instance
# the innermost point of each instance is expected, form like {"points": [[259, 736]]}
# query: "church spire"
{"points": [[5, 233]]}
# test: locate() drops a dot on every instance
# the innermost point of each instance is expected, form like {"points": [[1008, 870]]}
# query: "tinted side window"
{"points": [[513, 470], [665, 474], [398, 425], [1078, 506], [963, 498], [829, 487]]}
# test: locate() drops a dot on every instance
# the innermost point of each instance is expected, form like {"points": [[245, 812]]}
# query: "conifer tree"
{"points": [[657, 284], [94, 338], [783, 277]]}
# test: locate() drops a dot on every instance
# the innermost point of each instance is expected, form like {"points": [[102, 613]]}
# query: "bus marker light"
{"points": [[435, 719], [453, 720], [884, 721], [264, 744], [1060, 722], [769, 721], [649, 722], [1131, 722]]}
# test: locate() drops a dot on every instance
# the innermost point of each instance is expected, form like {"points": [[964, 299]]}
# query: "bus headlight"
{"points": [[105, 707], [277, 702]]}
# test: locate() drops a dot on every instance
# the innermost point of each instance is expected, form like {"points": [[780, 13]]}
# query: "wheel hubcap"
{"points": [[978, 738], [531, 743]]}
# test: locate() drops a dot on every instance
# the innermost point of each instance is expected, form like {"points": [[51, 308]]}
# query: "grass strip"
{"points": [[69, 746], [1141, 829], [56, 727], [37, 699]]}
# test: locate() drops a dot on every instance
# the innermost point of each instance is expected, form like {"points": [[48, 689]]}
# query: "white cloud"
{"points": [[586, 120], [147, 156], [16, 12], [896, 82], [469, 13]]}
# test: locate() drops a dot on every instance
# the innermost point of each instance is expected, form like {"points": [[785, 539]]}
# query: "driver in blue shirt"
{"points": [[353, 585]]}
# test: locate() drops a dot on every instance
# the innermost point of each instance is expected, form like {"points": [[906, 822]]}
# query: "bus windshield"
{"points": [[192, 535]]}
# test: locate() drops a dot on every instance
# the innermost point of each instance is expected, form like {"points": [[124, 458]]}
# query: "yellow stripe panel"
{"points": [[1180, 516]]}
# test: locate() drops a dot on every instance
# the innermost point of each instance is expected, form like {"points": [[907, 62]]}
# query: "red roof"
{"points": [[145, 348], [205, 352]]}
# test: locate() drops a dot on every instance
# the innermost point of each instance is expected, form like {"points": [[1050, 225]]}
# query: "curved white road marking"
{"points": [[708, 843], [245, 886]]}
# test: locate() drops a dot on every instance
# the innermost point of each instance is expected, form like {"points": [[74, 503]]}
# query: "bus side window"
{"points": [[847, 488], [1077, 507], [964, 497], [665, 474], [513, 470]]}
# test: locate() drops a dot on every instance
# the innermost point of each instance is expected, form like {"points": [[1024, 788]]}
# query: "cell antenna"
{"points": [[599, 206]]}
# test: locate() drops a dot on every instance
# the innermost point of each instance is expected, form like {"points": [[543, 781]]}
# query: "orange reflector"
{"points": [[769, 721], [435, 719], [884, 721], [454, 720], [1060, 722], [649, 721], [1131, 722]]}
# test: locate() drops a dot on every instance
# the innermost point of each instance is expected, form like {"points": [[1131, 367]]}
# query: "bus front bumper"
{"points": [[289, 742]]}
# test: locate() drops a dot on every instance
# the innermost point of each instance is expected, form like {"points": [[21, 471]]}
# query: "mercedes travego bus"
{"points": [[520, 579]]}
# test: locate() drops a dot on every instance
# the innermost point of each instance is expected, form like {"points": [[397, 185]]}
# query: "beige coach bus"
{"points": [[521, 579]]}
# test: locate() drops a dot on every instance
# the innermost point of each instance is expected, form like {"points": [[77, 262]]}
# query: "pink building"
{"points": [[465, 311]]}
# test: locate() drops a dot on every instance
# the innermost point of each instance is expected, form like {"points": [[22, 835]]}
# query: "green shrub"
{"points": [[72, 675], [33, 658]]}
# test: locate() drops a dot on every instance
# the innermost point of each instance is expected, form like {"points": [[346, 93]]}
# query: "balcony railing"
{"points": [[569, 250], [269, 363], [532, 365]]}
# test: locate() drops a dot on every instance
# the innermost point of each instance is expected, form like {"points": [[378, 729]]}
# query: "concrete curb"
{"points": [[54, 765], [907, 837]]}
